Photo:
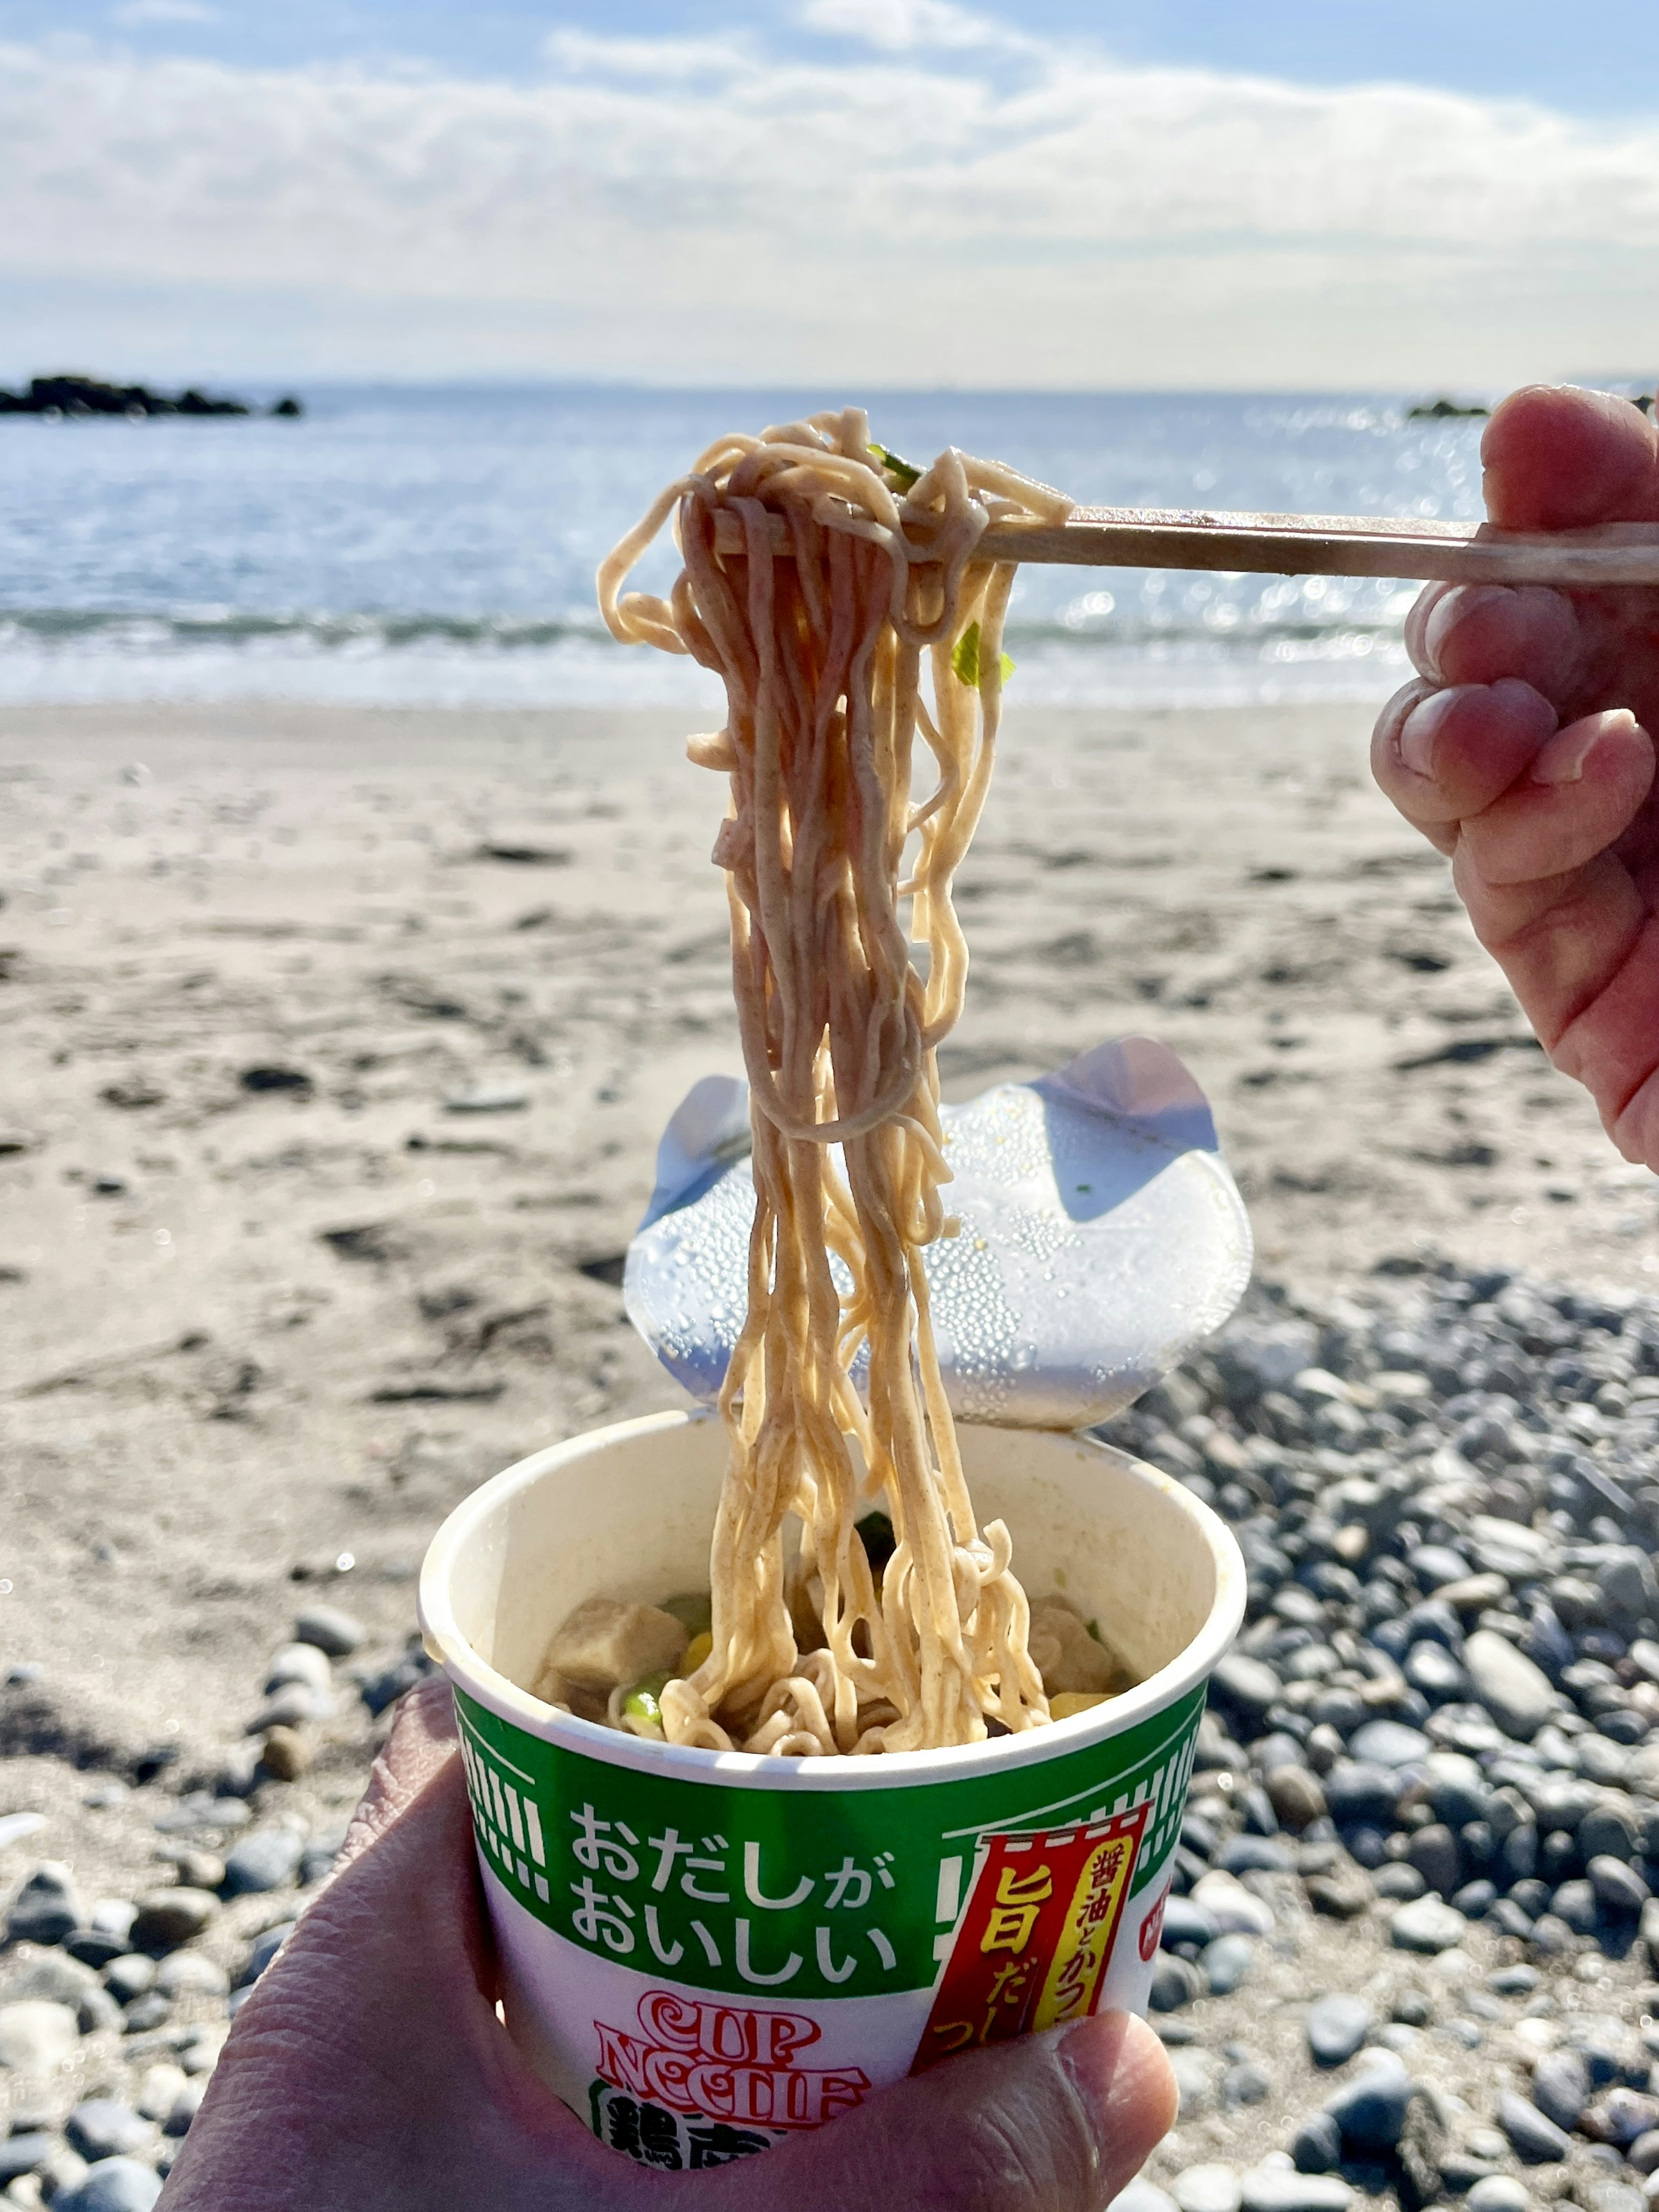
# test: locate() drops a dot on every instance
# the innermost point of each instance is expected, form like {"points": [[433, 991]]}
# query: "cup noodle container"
{"points": [[702, 1951]]}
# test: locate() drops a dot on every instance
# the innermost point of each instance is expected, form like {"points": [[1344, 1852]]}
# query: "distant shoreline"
{"points": [[71, 398]]}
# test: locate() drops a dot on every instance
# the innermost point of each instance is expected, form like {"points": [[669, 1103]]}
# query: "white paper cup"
{"points": [[704, 1951]]}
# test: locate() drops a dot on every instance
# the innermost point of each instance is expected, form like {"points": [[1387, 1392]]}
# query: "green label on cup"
{"points": [[824, 1893]]}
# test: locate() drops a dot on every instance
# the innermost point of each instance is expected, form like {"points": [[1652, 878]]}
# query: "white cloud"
{"points": [[702, 209], [895, 25], [134, 12]]}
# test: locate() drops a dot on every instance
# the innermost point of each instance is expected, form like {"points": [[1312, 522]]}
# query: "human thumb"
{"points": [[1055, 2122]]}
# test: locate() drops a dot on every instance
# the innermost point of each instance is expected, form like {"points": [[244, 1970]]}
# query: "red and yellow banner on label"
{"points": [[1035, 1942]]}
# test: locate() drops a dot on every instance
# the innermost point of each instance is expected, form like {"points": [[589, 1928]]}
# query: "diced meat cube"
{"points": [[605, 1644]]}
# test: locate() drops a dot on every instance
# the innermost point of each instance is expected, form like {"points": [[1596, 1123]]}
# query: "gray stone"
{"points": [[1142, 2196], [1281, 2188], [148, 2011], [1370, 2110], [185, 2106], [1336, 2028], [1246, 2082], [1226, 1962], [1357, 1791], [292, 1706], [1499, 2192], [160, 2086], [1175, 1984], [1316, 2146], [48, 1908], [1574, 1902], [1517, 1694], [1297, 1796], [1426, 1925], [1186, 1923], [114, 2185], [1245, 1686], [1455, 1788], [130, 1976], [1433, 1851], [1620, 2117], [267, 1859], [330, 1630], [54, 1976], [1398, 1880], [1194, 2071], [168, 1918], [191, 1973], [1343, 1895], [1534, 2140], [1561, 2087], [299, 1662], [102, 2127], [1389, 1744], [1210, 2188], [23, 2154], [1643, 2153], [1619, 1888], [36, 2035]]}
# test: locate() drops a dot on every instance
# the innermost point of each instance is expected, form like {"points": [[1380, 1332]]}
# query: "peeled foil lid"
{"points": [[1102, 1239]]}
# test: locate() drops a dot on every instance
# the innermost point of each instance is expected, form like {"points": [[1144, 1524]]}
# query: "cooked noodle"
{"points": [[822, 657]]}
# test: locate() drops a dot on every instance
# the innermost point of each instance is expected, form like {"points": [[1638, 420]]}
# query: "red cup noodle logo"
{"points": [[726, 2062], [1152, 1928]]}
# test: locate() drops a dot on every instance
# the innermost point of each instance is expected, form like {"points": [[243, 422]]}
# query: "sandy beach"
{"points": [[336, 1046]]}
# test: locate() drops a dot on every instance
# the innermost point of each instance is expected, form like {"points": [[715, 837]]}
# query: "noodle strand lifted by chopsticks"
{"points": [[822, 657]]}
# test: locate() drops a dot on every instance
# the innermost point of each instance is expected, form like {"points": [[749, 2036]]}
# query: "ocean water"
{"points": [[437, 546]]}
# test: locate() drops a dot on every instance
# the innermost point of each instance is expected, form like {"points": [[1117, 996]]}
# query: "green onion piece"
{"points": [[906, 473], [964, 660], [1094, 1630], [642, 1702]]}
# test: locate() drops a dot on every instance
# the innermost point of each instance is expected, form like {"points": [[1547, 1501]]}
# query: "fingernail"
{"points": [[1561, 758], [1421, 727], [1450, 609]]}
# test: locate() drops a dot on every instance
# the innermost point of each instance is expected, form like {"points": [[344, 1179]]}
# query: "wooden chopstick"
{"points": [[1308, 545]]}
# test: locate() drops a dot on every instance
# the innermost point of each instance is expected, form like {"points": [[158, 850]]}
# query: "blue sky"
{"points": [[1528, 49], [1140, 192]]}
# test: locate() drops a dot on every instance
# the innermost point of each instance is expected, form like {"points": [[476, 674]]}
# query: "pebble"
{"points": [[1142, 2196], [1246, 2082], [1342, 1896], [1426, 1925], [285, 1754], [114, 2185], [1336, 2028], [294, 1705], [1499, 2192], [191, 1973], [1212, 2188], [169, 1918], [265, 1947], [1561, 2087], [130, 1976], [1174, 1984], [185, 2106], [158, 2091], [1533, 2139], [1620, 2117], [1226, 1963], [1316, 2146], [1234, 1910], [102, 2127], [1195, 2073], [1389, 1744], [1433, 1851], [23, 2154], [14, 1826], [36, 2035], [1370, 2110], [266, 1860], [48, 1906], [1643, 2153], [339, 1634], [1619, 1888], [1281, 2188], [308, 1663], [1518, 1694]]}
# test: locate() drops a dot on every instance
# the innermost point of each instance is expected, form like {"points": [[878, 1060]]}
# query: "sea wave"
{"points": [[1181, 655]]}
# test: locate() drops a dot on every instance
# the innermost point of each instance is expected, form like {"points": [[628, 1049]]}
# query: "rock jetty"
{"points": [[58, 397]]}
